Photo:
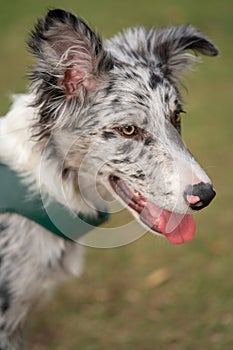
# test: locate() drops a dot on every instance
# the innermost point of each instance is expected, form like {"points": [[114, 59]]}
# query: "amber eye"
{"points": [[177, 117], [129, 130]]}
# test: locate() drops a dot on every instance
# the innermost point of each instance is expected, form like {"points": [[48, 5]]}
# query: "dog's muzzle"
{"points": [[200, 195]]}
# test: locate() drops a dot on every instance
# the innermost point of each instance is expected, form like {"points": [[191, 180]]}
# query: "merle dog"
{"points": [[116, 105]]}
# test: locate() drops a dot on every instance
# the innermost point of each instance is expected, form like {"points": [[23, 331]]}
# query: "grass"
{"points": [[148, 295]]}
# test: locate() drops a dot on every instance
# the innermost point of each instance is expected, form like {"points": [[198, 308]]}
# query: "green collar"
{"points": [[15, 197]]}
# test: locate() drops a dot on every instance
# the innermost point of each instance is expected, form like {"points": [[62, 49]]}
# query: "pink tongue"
{"points": [[178, 228]]}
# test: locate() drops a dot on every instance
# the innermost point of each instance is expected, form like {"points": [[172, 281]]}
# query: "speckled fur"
{"points": [[81, 90]]}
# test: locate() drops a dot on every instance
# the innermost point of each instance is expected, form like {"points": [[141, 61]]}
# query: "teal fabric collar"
{"points": [[15, 197]]}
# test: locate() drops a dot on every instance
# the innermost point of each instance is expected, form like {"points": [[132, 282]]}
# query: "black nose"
{"points": [[200, 195]]}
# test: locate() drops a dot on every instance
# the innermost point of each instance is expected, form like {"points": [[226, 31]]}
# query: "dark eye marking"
{"points": [[148, 141], [108, 135]]}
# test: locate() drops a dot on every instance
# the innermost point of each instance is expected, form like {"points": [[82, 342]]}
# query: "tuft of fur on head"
{"points": [[71, 65]]}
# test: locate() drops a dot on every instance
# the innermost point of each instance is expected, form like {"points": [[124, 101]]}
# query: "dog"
{"points": [[102, 116]]}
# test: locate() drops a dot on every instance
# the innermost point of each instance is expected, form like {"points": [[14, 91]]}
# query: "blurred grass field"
{"points": [[148, 295]]}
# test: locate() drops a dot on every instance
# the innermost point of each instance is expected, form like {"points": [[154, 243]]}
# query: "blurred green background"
{"points": [[148, 295]]}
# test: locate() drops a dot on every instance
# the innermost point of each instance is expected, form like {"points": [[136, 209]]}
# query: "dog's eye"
{"points": [[177, 116], [129, 130]]}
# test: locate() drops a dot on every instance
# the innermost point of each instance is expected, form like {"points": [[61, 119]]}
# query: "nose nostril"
{"points": [[193, 199], [200, 195]]}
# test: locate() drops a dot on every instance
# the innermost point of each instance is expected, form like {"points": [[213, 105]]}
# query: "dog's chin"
{"points": [[177, 228]]}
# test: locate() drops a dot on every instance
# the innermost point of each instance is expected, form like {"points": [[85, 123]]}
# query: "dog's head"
{"points": [[119, 106]]}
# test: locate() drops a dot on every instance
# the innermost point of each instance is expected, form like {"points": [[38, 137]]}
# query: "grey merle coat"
{"points": [[98, 115]]}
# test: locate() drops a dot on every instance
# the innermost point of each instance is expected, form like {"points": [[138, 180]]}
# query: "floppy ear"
{"points": [[70, 55], [170, 47]]}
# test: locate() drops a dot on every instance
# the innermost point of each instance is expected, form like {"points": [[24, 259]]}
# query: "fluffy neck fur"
{"points": [[27, 156]]}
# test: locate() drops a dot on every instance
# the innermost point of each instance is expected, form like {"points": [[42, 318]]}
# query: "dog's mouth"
{"points": [[178, 228]]}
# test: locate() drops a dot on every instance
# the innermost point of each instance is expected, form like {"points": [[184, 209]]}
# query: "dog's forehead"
{"points": [[143, 80], [137, 93], [146, 76]]}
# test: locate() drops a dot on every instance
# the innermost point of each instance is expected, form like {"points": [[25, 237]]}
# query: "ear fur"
{"points": [[70, 51], [71, 66], [170, 48]]}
